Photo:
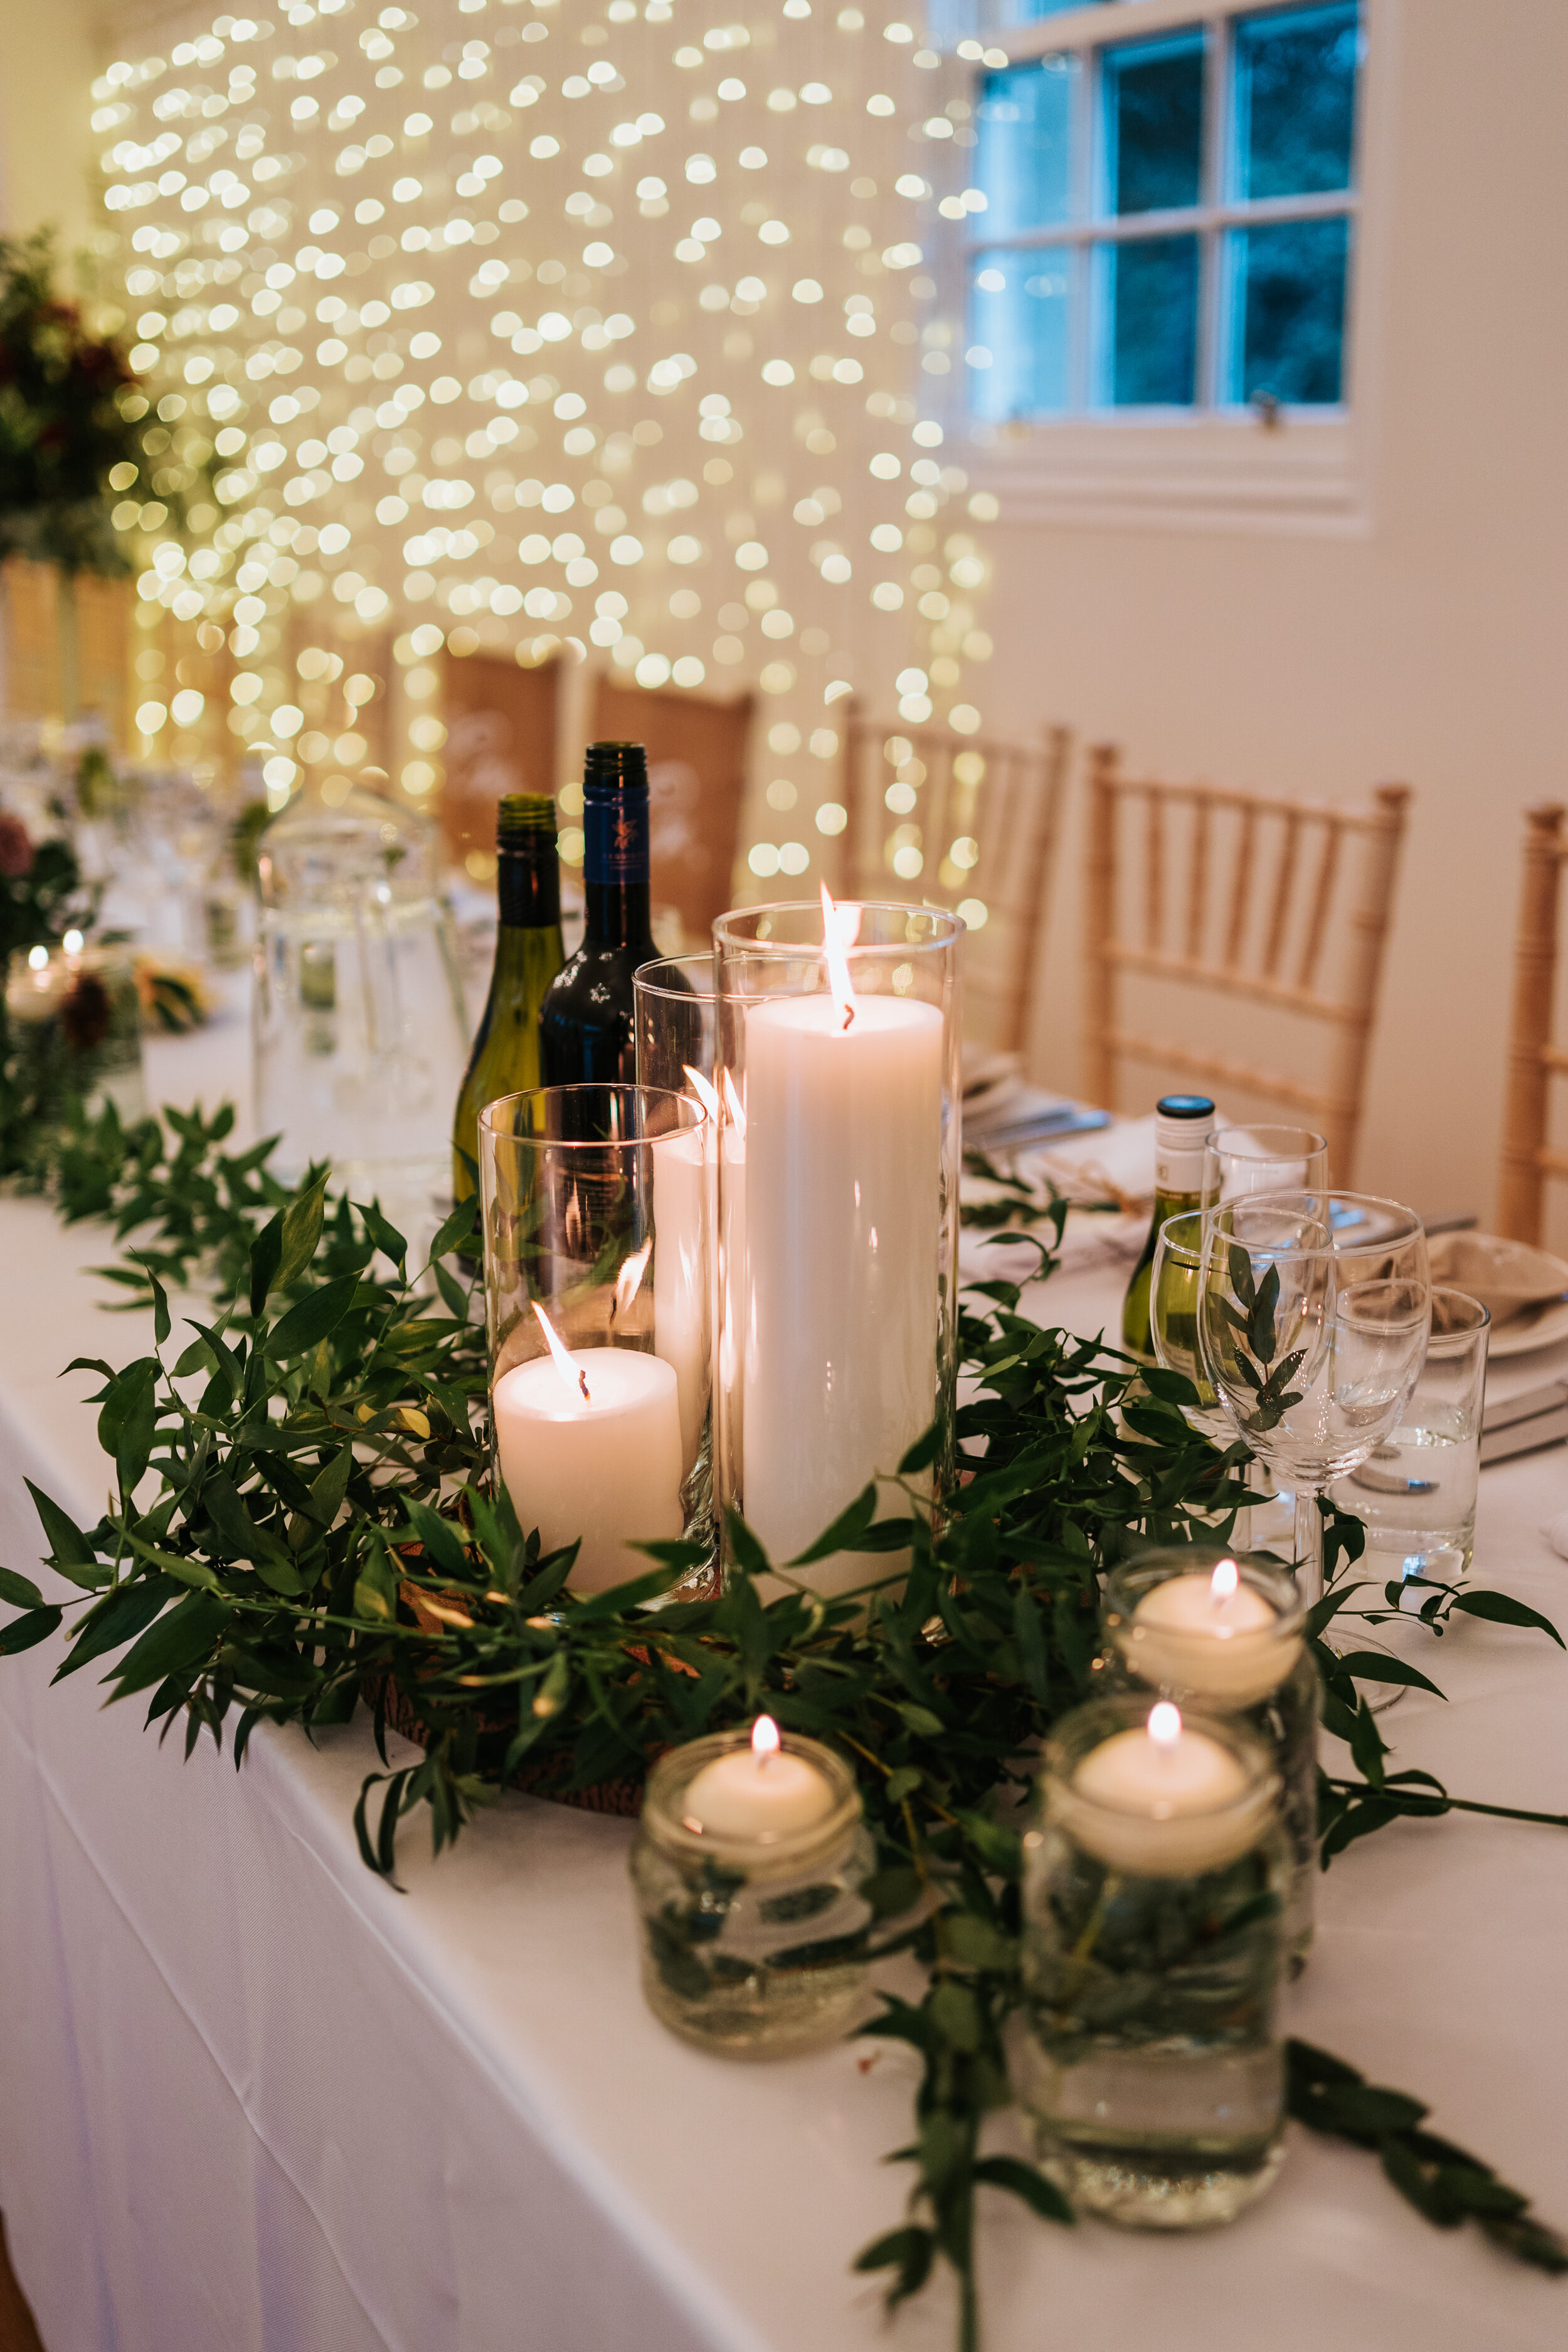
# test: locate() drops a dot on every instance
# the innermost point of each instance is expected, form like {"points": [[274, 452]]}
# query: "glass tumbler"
{"points": [[1199, 1626], [1153, 1958], [595, 1203], [1416, 1492], [838, 1042], [1238, 1159], [751, 1944], [675, 1022]]}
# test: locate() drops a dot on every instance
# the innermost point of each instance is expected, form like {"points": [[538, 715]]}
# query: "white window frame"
{"points": [[1207, 467]]}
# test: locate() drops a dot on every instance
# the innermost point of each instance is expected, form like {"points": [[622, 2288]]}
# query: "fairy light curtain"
{"points": [[601, 328]]}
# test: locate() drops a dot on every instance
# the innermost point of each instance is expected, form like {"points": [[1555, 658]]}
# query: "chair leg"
{"points": [[1522, 1181]]}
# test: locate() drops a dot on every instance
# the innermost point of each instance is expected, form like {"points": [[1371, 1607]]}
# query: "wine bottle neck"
{"points": [[527, 888], [617, 914]]}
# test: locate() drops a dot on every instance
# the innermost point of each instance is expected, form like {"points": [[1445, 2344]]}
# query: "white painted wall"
{"points": [[1426, 645], [46, 145]]}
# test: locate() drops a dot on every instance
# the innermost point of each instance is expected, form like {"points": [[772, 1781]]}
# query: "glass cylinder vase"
{"points": [[839, 1211], [675, 1022], [594, 1203], [74, 1018], [753, 1939], [1214, 1632], [1153, 1958]]}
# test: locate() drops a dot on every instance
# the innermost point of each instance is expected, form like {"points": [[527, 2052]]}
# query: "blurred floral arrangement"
{"points": [[61, 427]]}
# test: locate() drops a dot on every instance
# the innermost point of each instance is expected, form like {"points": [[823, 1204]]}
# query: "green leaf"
{"points": [[24, 1633], [190, 1631], [266, 1252], [844, 1532], [300, 1232], [921, 1454], [1502, 1609], [974, 1943], [1042, 2196], [19, 1590], [385, 1236], [955, 2014], [920, 1720], [161, 1324], [375, 1588], [118, 1617], [442, 1543], [313, 1318], [1377, 1667], [69, 1550], [457, 1227]]}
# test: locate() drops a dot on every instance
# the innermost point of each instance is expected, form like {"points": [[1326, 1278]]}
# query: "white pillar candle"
{"points": [[732, 1291], [683, 1184], [1211, 1634], [843, 1153], [762, 1792], [605, 1466], [1163, 1801]]}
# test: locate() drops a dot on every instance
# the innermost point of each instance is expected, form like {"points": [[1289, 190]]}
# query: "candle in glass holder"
{"points": [[843, 1210], [682, 1182], [1210, 1633], [1163, 1801], [590, 1446], [760, 1792]]}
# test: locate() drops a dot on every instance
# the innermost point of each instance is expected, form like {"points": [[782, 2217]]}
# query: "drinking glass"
{"points": [[1239, 1160], [675, 1021], [1314, 1315], [1174, 1326], [1415, 1494], [595, 1222]]}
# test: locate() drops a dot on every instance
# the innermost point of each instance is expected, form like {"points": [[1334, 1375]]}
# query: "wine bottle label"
{"points": [[614, 837], [1179, 1172]]}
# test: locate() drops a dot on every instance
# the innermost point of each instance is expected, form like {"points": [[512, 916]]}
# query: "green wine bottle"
{"points": [[529, 954], [1183, 1124]]}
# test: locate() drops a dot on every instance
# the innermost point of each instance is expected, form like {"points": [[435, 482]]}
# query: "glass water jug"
{"points": [[360, 1030]]}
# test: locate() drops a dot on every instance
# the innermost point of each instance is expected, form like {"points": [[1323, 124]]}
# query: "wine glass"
{"points": [[1173, 1327], [1239, 1160], [1313, 1311]]}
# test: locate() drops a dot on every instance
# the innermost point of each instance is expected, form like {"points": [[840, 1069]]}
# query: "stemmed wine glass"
{"points": [[1238, 1159], [1313, 1310]]}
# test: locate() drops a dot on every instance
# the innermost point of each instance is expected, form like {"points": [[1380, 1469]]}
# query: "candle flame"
{"points": [[37, 958], [765, 1738], [572, 1372], [73, 942], [1164, 1724], [1223, 1581], [833, 946], [704, 1091], [628, 1282], [736, 1107]]}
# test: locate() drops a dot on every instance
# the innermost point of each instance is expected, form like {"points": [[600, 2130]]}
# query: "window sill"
{"points": [[1181, 473]]}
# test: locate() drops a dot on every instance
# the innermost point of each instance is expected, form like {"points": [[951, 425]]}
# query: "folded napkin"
{"points": [[1506, 1276], [1117, 1164]]}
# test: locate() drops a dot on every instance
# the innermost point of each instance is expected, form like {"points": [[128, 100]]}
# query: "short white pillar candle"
{"points": [[762, 1792], [599, 1459], [1163, 1801]]}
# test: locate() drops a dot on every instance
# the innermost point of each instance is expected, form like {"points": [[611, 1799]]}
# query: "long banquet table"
{"points": [[253, 2100]]}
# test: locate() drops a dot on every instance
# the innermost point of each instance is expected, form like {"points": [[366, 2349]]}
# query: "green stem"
{"points": [[1452, 1804]]}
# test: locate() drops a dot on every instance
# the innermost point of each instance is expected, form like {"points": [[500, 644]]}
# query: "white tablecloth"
{"points": [[252, 2100]]}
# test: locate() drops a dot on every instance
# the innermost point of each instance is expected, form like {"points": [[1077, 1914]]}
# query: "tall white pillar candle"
{"points": [[605, 1466], [843, 1214]]}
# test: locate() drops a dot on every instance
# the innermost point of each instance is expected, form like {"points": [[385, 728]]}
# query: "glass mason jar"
{"points": [[1167, 1630], [595, 1210], [1153, 1961], [751, 1944], [74, 1018], [838, 1213]]}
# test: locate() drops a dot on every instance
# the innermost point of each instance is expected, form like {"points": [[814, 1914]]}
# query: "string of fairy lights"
{"points": [[551, 327]]}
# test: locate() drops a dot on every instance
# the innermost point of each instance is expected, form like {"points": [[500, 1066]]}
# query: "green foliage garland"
{"points": [[325, 1538]]}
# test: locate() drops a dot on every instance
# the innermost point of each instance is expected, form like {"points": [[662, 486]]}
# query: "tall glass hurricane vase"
{"points": [[1313, 1313], [838, 1037]]}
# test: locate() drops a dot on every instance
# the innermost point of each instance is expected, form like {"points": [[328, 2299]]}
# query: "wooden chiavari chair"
{"points": [[1279, 907], [1533, 1059], [502, 726], [978, 821]]}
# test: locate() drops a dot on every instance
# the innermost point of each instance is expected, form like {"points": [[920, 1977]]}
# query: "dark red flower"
{"points": [[16, 848]]}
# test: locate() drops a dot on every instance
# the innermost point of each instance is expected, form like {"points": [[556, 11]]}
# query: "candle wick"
{"points": [[848, 1017], [583, 1384]]}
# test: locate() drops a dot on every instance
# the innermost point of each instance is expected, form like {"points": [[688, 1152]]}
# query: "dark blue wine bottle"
{"points": [[586, 1024]]}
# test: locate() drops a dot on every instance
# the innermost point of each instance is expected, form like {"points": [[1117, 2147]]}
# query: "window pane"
{"points": [[1294, 101], [1153, 118], [1024, 164], [1151, 297], [1018, 312], [1288, 310]]}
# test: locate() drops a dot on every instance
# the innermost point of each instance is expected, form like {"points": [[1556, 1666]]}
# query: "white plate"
{"points": [[1538, 1327]]}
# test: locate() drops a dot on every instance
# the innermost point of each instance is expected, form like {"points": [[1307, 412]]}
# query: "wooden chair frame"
{"points": [[1533, 1059], [1289, 985], [1014, 816]]}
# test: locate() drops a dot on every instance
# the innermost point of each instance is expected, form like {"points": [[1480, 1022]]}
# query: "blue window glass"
{"points": [[1153, 123], [1018, 312], [1294, 101], [1023, 162], [1288, 311], [1151, 303]]}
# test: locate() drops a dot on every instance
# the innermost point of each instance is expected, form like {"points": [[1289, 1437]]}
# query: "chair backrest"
{"points": [[697, 778], [972, 821], [1278, 907], [502, 730], [1533, 1059]]}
